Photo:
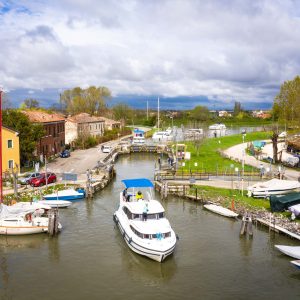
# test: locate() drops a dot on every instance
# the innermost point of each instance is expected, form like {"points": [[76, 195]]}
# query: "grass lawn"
{"points": [[207, 154], [227, 195]]}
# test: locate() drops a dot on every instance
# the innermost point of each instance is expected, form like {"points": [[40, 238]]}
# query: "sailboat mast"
{"points": [[1, 185], [158, 113]]}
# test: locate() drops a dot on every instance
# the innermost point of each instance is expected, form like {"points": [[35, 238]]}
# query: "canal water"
{"points": [[90, 260]]}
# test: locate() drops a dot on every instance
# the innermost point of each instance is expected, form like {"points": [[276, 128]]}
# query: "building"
{"points": [[224, 113], [53, 142], [10, 149], [261, 114], [83, 124], [111, 124]]}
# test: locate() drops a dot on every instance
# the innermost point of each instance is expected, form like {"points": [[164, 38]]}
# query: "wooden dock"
{"points": [[277, 228]]}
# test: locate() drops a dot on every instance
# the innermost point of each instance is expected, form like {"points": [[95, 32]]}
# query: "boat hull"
{"points": [[153, 254], [296, 263], [293, 251], [22, 230], [221, 211], [65, 198], [56, 203]]}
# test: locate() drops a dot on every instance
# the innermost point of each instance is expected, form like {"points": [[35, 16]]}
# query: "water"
{"points": [[90, 260]]}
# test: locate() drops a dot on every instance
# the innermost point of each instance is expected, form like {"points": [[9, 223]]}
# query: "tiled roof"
{"points": [[84, 118], [109, 121], [42, 117]]}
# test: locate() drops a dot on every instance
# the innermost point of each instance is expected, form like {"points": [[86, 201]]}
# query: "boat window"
{"points": [[11, 220]]}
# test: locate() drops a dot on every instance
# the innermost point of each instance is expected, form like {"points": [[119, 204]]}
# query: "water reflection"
{"points": [[145, 270], [30, 241]]}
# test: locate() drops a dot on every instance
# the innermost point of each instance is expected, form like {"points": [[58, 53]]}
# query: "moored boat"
{"points": [[56, 203], [296, 263], [293, 251], [273, 187], [221, 210], [24, 218], [142, 222], [218, 126], [68, 194]]}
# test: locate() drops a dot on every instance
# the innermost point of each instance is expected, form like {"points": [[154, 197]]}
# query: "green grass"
{"points": [[207, 155], [227, 195]]}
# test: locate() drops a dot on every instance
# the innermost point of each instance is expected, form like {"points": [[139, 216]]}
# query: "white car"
{"points": [[106, 149]]}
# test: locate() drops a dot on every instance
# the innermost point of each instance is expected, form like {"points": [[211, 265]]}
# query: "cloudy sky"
{"points": [[219, 50]]}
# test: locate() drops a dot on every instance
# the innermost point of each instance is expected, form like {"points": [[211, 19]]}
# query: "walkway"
{"points": [[236, 152]]}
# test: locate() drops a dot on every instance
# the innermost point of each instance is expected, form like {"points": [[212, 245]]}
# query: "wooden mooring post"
{"points": [[246, 226], [53, 222]]}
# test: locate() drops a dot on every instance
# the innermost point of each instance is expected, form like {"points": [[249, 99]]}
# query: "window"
{"points": [[10, 164], [9, 143]]}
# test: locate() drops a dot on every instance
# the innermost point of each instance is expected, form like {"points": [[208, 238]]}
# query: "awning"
{"points": [[138, 182]]}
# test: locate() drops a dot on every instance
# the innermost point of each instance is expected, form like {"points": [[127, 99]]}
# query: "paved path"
{"points": [[236, 152]]}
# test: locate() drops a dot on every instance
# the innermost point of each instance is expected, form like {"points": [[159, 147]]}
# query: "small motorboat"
{"points": [[68, 194], [296, 263], [56, 203], [273, 187], [142, 222], [221, 210], [24, 218], [293, 251], [162, 136]]}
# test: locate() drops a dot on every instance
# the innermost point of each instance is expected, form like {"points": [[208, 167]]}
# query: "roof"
{"points": [[137, 207], [10, 129], [109, 121], [138, 182], [38, 116], [84, 118]]}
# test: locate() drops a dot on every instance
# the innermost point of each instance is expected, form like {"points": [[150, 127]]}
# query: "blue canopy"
{"points": [[138, 182], [138, 131]]}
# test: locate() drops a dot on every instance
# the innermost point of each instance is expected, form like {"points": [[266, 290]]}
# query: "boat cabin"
{"points": [[138, 137]]}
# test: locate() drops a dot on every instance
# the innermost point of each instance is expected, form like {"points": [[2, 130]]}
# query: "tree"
{"points": [[287, 103], [91, 100], [200, 113], [122, 112], [29, 134], [30, 103]]}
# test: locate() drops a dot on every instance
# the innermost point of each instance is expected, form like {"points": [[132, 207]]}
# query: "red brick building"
{"points": [[54, 125]]}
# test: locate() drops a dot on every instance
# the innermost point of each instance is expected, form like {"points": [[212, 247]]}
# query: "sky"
{"points": [[187, 52]]}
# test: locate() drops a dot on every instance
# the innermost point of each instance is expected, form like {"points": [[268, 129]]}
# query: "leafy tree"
{"points": [[200, 113], [29, 134], [90, 100], [122, 112], [287, 103], [30, 103]]}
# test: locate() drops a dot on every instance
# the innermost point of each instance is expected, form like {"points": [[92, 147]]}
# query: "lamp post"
{"points": [[243, 163]]}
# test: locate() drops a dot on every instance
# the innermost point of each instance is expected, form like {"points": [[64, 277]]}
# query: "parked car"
{"points": [[65, 153], [28, 178], [106, 149], [41, 180]]}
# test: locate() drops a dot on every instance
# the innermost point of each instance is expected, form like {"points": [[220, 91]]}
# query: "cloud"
{"points": [[241, 50]]}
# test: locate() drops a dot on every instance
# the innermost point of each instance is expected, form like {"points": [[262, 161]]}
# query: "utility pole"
{"points": [[158, 113], [147, 110], [1, 186]]}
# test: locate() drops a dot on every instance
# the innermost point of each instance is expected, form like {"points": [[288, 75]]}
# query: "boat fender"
{"points": [[123, 234], [130, 240]]}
